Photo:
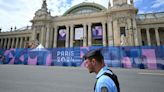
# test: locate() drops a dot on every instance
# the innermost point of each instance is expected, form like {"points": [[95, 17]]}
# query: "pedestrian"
{"points": [[106, 79]]}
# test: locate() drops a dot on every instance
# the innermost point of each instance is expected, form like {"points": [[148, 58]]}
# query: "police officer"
{"points": [[95, 63]]}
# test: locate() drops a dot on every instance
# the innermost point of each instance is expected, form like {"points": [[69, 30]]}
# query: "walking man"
{"points": [[106, 81]]}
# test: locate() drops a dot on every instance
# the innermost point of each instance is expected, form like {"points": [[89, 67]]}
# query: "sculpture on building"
{"points": [[44, 5], [11, 29], [131, 2], [119, 2], [109, 4], [123, 40], [32, 44]]}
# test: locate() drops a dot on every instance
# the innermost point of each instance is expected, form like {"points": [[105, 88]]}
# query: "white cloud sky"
{"points": [[157, 3], [19, 12]]}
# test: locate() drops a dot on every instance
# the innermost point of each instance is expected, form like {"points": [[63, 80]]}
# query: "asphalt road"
{"points": [[25, 78]]}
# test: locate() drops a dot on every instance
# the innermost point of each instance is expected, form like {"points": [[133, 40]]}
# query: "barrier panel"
{"points": [[143, 57]]}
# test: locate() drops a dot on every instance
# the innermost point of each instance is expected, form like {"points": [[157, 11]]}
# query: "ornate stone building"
{"points": [[90, 24]]}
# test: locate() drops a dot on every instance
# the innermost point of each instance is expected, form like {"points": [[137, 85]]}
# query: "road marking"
{"points": [[151, 73]]}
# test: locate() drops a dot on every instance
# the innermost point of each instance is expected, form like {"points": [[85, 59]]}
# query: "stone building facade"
{"points": [[90, 24]]}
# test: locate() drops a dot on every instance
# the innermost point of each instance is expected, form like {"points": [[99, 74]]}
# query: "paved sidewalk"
{"points": [[26, 78]]}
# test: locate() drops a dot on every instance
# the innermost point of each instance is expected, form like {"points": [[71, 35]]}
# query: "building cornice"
{"points": [[76, 17], [150, 21], [122, 9], [15, 33]]}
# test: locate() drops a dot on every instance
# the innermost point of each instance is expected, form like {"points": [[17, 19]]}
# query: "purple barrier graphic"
{"points": [[149, 58], [142, 57]]}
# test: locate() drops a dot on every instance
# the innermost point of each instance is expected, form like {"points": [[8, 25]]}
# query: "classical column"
{"points": [[130, 32], [139, 36], [21, 42], [51, 38], [5, 43], [1, 44], [47, 36], [17, 39], [33, 33], [67, 37], [42, 36], [13, 41], [104, 34], [85, 35], [110, 34], [55, 36], [148, 36], [157, 36], [9, 42], [89, 35], [116, 33], [135, 31], [25, 42], [71, 36]]}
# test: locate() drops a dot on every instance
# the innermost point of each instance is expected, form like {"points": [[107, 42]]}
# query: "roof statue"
{"points": [[131, 2], [44, 5], [109, 4]]}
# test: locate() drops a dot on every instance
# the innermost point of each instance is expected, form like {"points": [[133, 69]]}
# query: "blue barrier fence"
{"points": [[144, 57]]}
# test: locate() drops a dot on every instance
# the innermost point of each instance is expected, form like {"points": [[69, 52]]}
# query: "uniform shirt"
{"points": [[105, 81]]}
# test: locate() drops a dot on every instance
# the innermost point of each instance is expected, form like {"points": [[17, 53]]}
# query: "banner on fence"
{"points": [[143, 57]]}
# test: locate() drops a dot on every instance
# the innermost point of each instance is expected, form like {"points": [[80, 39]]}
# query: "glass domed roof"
{"points": [[84, 8]]}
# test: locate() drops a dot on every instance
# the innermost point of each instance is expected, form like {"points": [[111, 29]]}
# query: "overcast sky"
{"points": [[19, 12]]}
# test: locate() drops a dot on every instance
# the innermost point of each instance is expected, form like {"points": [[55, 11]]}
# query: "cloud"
{"points": [[158, 3], [60, 6], [136, 1], [6, 5], [17, 13], [20, 12]]}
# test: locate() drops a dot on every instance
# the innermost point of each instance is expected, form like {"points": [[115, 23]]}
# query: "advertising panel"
{"points": [[97, 32], [62, 34], [79, 33]]}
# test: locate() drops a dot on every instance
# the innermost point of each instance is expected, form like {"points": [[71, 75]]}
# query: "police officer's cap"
{"points": [[93, 53]]}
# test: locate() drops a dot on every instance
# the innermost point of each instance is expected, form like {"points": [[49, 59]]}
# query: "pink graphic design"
{"points": [[150, 58], [7, 52], [22, 58], [48, 59], [12, 60], [126, 62], [32, 61], [10, 55]]}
